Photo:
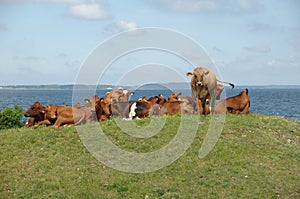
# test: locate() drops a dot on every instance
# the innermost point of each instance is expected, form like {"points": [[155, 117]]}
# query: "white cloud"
{"points": [[65, 1], [258, 49], [187, 5], [12, 1], [213, 6], [248, 5], [126, 26], [121, 26], [294, 41], [289, 63], [88, 11], [26, 58], [3, 28], [258, 26], [272, 62]]}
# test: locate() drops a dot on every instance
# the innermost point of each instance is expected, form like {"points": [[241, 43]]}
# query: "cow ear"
{"points": [[190, 74], [205, 73]]}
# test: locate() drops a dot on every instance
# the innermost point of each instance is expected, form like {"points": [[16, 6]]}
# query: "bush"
{"points": [[11, 117]]}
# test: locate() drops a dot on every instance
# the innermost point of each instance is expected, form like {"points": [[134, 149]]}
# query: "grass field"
{"points": [[256, 156]]}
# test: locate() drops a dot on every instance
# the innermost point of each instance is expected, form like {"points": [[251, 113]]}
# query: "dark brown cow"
{"points": [[235, 104], [204, 86], [99, 106], [36, 114]]}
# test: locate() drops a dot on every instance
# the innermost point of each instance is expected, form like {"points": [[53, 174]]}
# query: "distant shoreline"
{"points": [[153, 86]]}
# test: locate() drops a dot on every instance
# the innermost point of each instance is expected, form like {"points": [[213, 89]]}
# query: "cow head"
{"points": [[244, 92], [198, 76], [143, 99], [92, 102], [124, 95], [50, 111], [35, 110], [117, 95], [108, 97], [161, 99], [153, 100], [102, 109], [173, 97]]}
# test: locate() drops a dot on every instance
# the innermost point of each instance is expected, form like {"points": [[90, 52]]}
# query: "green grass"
{"points": [[256, 156]]}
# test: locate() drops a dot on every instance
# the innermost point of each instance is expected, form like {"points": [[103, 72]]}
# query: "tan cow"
{"points": [[204, 86], [117, 95]]}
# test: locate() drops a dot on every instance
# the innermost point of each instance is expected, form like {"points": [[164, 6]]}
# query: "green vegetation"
{"points": [[11, 117], [256, 156]]}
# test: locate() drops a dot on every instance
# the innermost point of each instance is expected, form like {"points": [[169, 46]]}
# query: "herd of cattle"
{"points": [[205, 91]]}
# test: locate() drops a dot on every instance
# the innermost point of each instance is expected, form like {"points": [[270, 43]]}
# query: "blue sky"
{"points": [[251, 42]]}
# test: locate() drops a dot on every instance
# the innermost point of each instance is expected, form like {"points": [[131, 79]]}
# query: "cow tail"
{"points": [[231, 84]]}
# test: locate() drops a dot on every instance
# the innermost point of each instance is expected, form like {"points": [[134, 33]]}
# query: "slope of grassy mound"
{"points": [[255, 157]]}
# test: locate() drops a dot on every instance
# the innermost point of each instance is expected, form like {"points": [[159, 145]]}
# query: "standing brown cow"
{"points": [[204, 86]]}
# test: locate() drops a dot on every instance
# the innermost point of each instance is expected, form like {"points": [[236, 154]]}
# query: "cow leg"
{"points": [[213, 101], [246, 109], [47, 122], [199, 107], [63, 120], [30, 122], [203, 106], [58, 122]]}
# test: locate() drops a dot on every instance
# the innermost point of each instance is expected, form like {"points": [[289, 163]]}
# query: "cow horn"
{"points": [[189, 74]]}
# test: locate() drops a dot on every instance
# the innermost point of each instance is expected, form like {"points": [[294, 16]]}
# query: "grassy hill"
{"points": [[255, 157]]}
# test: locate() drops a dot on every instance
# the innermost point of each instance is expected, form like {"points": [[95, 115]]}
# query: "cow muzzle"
{"points": [[199, 83]]}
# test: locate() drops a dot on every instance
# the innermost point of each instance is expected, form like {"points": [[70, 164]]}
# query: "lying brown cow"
{"points": [[117, 100], [171, 106], [36, 114], [204, 86], [144, 108], [51, 114], [235, 104], [186, 103], [178, 104], [98, 105]]}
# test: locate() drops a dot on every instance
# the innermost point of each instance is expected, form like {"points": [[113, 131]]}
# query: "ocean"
{"points": [[277, 101]]}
